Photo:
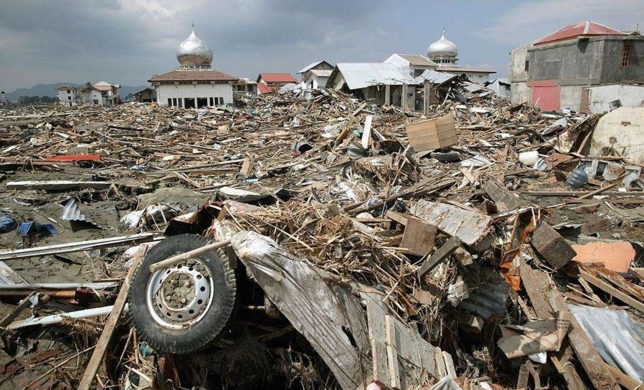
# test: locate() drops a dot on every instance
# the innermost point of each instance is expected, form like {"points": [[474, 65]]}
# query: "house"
{"points": [[244, 87], [109, 93], [584, 67], [380, 83], [315, 79], [100, 94], [272, 82], [501, 87], [319, 65], [195, 84], [415, 64], [445, 53], [440, 84], [147, 95]]}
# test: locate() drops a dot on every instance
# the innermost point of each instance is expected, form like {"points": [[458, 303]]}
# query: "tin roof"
{"points": [[361, 75], [587, 28], [434, 77], [463, 69], [310, 66], [418, 60]]}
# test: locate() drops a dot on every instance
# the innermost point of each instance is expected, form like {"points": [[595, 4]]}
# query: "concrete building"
{"points": [[272, 82], [379, 83], [245, 87], [445, 53], [414, 64], [195, 84], [100, 94], [563, 68]]}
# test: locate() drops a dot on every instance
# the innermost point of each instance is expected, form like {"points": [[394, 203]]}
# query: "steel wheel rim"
{"points": [[180, 296]]}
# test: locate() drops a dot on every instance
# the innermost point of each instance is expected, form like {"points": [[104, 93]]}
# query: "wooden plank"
{"points": [[419, 237], [584, 349], [398, 217], [524, 375], [392, 353], [380, 363], [449, 364], [502, 197], [469, 227], [378, 337], [108, 329], [22, 305], [437, 257], [626, 381], [537, 285], [554, 248], [627, 299]]}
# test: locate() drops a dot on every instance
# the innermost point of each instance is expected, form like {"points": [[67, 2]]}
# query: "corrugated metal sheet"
{"points": [[434, 77], [363, 75], [618, 338], [489, 298]]}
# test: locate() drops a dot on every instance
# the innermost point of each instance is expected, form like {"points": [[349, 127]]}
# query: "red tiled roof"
{"points": [[263, 88], [193, 75], [587, 28], [277, 78]]}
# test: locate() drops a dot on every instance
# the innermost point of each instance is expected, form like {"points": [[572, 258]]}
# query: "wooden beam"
{"points": [[108, 329], [622, 296], [441, 254]]}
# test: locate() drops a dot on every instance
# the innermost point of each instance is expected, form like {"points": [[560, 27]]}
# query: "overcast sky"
{"points": [[127, 41]]}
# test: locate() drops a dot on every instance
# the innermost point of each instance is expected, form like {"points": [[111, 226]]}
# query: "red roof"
{"points": [[587, 28], [193, 75], [277, 78], [263, 88]]}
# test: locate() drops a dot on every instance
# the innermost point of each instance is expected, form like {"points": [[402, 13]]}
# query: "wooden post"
{"points": [[387, 95], [403, 100], [426, 97]]}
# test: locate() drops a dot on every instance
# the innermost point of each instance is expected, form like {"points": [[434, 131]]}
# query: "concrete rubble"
{"points": [[359, 260]]}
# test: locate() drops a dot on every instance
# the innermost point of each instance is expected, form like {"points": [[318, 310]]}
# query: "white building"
{"points": [[100, 94], [445, 53], [315, 79], [195, 84], [414, 64]]}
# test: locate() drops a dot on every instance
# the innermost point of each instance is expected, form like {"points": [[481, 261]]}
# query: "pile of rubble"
{"points": [[478, 247]]}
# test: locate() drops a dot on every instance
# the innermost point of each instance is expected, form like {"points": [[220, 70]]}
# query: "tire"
{"points": [[162, 333]]}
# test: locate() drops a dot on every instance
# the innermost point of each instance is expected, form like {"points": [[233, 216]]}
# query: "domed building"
{"points": [[445, 53], [194, 84]]}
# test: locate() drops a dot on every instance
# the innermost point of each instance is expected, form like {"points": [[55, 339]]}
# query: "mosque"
{"points": [[445, 54], [194, 84]]}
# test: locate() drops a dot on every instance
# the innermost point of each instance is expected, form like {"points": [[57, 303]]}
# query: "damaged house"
{"points": [[379, 83], [584, 67]]}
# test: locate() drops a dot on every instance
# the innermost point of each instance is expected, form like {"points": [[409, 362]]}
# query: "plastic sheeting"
{"points": [[619, 339]]}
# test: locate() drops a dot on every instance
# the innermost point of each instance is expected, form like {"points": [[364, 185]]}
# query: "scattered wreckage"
{"points": [[319, 243]]}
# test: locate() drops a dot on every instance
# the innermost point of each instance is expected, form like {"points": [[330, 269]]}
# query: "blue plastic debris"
{"points": [[32, 227], [7, 224]]}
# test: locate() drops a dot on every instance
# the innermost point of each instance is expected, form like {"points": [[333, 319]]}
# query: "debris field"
{"points": [[477, 247]]}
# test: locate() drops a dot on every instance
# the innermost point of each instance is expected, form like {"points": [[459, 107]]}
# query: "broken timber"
{"points": [[58, 185], [469, 227]]}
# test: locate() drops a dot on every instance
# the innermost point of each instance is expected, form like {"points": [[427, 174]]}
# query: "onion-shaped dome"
{"points": [[442, 49], [193, 53]]}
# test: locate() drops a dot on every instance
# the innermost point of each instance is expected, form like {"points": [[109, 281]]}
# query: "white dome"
{"points": [[442, 49], [193, 53]]}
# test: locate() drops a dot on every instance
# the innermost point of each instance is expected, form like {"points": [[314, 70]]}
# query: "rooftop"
{"points": [[277, 78], [193, 75], [361, 74], [418, 60], [583, 29], [312, 65], [463, 69]]}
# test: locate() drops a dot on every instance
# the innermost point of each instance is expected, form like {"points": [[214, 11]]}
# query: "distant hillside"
{"points": [[50, 90]]}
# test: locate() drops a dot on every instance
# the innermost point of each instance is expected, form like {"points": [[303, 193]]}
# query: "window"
{"points": [[68, 91], [180, 102], [169, 102], [527, 66], [212, 102], [202, 102], [174, 102], [626, 55], [69, 98], [221, 100]]}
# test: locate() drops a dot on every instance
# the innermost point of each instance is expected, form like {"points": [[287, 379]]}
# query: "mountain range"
{"points": [[50, 90]]}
